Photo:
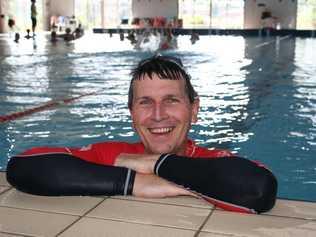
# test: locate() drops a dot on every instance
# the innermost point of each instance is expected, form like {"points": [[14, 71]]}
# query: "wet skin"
{"points": [[162, 114]]}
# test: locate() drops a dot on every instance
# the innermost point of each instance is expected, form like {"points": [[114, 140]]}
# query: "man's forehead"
{"points": [[157, 86], [155, 81]]}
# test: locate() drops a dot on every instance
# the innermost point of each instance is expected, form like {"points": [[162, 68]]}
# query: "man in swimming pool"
{"points": [[163, 105]]}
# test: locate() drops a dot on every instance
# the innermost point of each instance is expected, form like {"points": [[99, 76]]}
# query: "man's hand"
{"points": [[148, 185], [152, 186], [140, 163]]}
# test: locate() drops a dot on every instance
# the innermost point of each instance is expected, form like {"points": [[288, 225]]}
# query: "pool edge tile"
{"points": [[150, 214], [228, 223], [77, 205], [88, 226], [33, 223]]}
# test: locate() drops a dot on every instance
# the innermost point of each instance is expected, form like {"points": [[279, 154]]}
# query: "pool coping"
{"points": [[28, 215]]}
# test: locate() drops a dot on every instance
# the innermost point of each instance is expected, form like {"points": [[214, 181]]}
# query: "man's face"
{"points": [[162, 114]]}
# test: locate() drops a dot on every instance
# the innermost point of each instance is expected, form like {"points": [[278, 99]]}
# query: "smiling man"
{"points": [[162, 113], [163, 106]]}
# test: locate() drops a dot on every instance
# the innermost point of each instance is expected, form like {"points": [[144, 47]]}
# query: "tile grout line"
{"points": [[5, 190], [277, 216], [15, 234], [288, 217], [167, 204], [222, 234], [40, 211], [43, 211], [140, 223], [80, 217], [203, 224]]}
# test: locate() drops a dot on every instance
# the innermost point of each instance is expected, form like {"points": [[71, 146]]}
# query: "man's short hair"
{"points": [[165, 67]]}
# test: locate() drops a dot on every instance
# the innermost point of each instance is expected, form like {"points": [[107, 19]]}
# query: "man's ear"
{"points": [[195, 110]]}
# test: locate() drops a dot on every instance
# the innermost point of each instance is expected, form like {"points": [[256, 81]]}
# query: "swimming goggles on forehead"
{"points": [[167, 58]]}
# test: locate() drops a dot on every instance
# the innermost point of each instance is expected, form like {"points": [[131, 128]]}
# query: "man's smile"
{"points": [[163, 130]]}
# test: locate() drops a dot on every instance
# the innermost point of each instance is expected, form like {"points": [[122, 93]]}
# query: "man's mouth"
{"points": [[160, 130]]}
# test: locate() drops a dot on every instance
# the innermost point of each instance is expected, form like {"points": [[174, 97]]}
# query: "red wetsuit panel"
{"points": [[106, 152], [194, 151]]}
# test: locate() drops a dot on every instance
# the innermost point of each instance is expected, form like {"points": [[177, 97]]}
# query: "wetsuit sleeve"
{"points": [[64, 174], [234, 184]]}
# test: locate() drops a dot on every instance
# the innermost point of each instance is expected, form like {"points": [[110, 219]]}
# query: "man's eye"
{"points": [[144, 102], [172, 100]]}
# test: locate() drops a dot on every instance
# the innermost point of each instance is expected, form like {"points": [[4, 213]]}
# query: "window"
{"points": [[223, 14], [21, 13], [306, 15], [195, 13], [116, 12], [88, 13], [227, 14]]}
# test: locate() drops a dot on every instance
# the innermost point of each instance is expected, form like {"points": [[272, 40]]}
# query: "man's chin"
{"points": [[161, 149]]}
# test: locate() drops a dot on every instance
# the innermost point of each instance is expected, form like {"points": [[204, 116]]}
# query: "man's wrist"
{"points": [[151, 161], [142, 163], [129, 182], [159, 162]]}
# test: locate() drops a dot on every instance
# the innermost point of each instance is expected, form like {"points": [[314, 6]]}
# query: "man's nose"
{"points": [[159, 112]]}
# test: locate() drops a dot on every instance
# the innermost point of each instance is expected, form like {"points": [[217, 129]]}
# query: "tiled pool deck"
{"points": [[27, 215]]}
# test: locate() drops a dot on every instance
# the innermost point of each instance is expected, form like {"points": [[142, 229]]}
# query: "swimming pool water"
{"points": [[258, 98]]}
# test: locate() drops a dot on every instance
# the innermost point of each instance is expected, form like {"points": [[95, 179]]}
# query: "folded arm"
{"points": [[233, 183], [64, 174], [58, 174]]}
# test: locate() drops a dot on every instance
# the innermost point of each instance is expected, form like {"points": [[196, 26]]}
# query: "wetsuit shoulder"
{"points": [[213, 153], [106, 152]]}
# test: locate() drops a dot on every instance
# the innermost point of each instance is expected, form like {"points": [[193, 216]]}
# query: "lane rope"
{"points": [[46, 106], [271, 41]]}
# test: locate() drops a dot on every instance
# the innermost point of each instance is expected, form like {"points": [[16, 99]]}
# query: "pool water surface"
{"points": [[257, 97]]}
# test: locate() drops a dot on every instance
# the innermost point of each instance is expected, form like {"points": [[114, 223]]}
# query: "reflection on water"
{"points": [[257, 98]]}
